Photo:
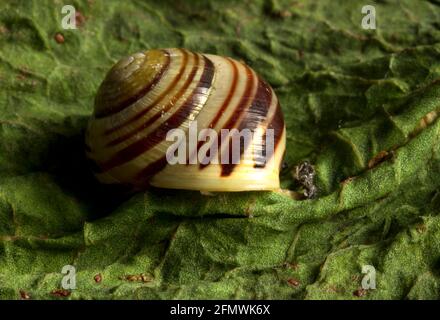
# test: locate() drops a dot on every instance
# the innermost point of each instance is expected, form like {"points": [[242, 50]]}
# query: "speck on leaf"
{"points": [[59, 38]]}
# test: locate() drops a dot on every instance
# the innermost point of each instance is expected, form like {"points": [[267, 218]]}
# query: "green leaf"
{"points": [[361, 105]]}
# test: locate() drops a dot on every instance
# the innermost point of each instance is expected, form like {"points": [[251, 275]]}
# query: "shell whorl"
{"points": [[146, 95]]}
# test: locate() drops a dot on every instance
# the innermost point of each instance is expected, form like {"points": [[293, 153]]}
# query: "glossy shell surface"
{"points": [[147, 94]]}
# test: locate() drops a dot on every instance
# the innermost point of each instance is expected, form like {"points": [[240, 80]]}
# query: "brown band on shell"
{"points": [[229, 96], [177, 118], [277, 124], [240, 109], [222, 109], [158, 99], [111, 110], [150, 170], [205, 82], [256, 112], [168, 106]]}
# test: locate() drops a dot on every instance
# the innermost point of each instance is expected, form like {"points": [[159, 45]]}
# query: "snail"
{"points": [[170, 118]]}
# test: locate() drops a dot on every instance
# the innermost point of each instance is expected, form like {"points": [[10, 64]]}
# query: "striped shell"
{"points": [[149, 93]]}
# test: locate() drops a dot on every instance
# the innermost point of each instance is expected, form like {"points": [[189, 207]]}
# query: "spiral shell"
{"points": [[147, 94]]}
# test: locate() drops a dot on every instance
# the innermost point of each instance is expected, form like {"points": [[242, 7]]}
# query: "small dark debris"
{"points": [[355, 278], [378, 158], [3, 29], [305, 174], [24, 71], [360, 293], [283, 14], [294, 282], [421, 228], [61, 293], [24, 295], [238, 30], [79, 19], [333, 289], [59, 38], [137, 278], [292, 265], [426, 121], [98, 278], [273, 10], [21, 77], [348, 180]]}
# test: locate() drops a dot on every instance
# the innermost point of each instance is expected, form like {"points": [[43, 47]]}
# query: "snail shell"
{"points": [[147, 94]]}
